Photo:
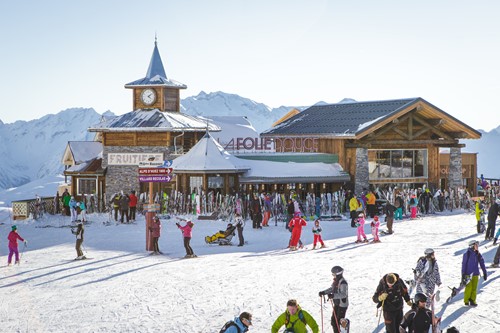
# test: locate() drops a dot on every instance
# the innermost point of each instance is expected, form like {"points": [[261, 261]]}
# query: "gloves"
{"points": [[321, 293], [26, 243], [409, 303], [177, 224], [382, 297], [485, 276], [464, 279]]}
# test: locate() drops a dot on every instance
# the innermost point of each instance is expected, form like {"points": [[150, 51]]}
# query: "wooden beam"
{"points": [[359, 145], [394, 124], [410, 128], [457, 135], [457, 145], [436, 122], [415, 142], [400, 132], [433, 129]]}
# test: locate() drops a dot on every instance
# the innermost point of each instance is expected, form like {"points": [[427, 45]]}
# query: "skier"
{"points": [[390, 293], [470, 272], [338, 292], [419, 318], [389, 216], [155, 230], [239, 223], [79, 240], [187, 233], [375, 225], [13, 249], [427, 274], [360, 232], [296, 225], [479, 216], [256, 212], [72, 207], [492, 219], [240, 324], [295, 319], [317, 234]]}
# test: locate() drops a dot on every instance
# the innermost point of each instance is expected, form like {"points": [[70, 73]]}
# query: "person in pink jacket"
{"points": [[155, 233], [187, 233], [13, 237], [360, 223], [375, 225]]}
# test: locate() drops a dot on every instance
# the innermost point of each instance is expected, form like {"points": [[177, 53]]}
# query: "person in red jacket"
{"points": [[155, 233], [296, 225], [132, 204], [13, 237]]}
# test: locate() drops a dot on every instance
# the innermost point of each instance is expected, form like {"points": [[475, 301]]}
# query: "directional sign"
{"points": [[150, 164], [155, 171], [167, 164], [151, 207], [155, 179]]}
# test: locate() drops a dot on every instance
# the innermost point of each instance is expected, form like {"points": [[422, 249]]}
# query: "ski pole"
{"points": [[381, 310], [321, 300], [335, 315]]}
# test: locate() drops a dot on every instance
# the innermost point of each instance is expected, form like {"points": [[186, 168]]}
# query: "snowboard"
{"points": [[383, 232], [436, 321], [456, 290]]}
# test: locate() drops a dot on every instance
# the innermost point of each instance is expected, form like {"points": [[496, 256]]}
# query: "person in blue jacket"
{"points": [[240, 324], [470, 272]]}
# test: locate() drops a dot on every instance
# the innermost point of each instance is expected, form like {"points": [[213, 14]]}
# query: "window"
{"points": [[87, 186], [397, 163], [195, 184]]}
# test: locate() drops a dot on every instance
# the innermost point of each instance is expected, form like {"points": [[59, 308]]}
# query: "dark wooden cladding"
{"points": [[133, 139], [171, 100], [167, 99]]}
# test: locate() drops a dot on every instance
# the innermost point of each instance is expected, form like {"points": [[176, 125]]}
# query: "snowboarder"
{"points": [[317, 234], [360, 232], [13, 249], [155, 230], [187, 233], [390, 293], [470, 270], [240, 324], [427, 274], [239, 223], [375, 225], [295, 319], [296, 225], [419, 318], [338, 292], [79, 240], [492, 219]]}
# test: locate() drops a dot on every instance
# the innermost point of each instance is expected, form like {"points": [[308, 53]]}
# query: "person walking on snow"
{"points": [[390, 293], [79, 240], [493, 213], [317, 234], [389, 216], [13, 249], [295, 319], [338, 292], [132, 205], [413, 203], [419, 318], [72, 207], [375, 225], [187, 233], [470, 272], [296, 225], [83, 211], [155, 230], [427, 274], [360, 223]]}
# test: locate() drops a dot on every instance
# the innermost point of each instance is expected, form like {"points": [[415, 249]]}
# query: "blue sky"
{"points": [[63, 54]]}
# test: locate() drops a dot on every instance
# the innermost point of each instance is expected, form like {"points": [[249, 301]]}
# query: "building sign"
{"points": [[133, 158], [155, 179], [296, 145], [248, 144], [466, 171], [155, 171]]}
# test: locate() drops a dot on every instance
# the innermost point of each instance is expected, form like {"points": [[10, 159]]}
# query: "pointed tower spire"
{"points": [[156, 65]]}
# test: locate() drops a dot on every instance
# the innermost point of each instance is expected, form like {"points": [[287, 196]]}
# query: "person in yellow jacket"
{"points": [[479, 216], [295, 319], [370, 204], [354, 206]]}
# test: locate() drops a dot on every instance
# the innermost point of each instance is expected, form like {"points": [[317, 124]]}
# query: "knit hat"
{"points": [[14, 227]]}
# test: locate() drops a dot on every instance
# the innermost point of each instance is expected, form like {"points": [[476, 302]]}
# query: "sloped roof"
{"points": [[288, 115], [207, 156], [78, 152], [356, 119], [92, 167], [155, 75], [153, 120]]}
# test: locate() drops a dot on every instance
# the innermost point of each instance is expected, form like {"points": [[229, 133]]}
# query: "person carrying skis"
{"points": [[296, 225], [470, 272], [79, 240], [240, 324], [338, 292], [419, 318], [390, 293], [360, 232], [427, 274], [187, 233], [493, 213], [239, 223], [295, 319], [317, 234], [13, 249], [155, 230], [375, 225]]}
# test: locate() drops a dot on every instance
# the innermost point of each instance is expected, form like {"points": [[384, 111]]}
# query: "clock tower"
{"points": [[156, 91]]}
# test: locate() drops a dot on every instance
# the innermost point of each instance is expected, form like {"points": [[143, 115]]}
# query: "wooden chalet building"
{"points": [[392, 142]]}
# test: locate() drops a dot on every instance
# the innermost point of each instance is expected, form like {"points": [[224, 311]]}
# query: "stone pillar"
{"points": [[361, 176], [455, 169]]}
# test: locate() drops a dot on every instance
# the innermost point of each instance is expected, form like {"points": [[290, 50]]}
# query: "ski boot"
{"points": [[314, 247], [322, 246]]}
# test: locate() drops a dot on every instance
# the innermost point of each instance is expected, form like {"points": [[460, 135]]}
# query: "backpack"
{"points": [[229, 324], [287, 320]]}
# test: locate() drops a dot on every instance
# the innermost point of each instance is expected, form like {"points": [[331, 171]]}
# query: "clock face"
{"points": [[148, 96]]}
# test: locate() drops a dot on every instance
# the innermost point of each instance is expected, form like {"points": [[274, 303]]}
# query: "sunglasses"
{"points": [[248, 320]]}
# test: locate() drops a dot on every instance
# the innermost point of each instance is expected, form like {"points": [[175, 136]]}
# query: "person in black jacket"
{"points": [[290, 211], [419, 318], [256, 212], [389, 216], [390, 293], [492, 219], [79, 240]]}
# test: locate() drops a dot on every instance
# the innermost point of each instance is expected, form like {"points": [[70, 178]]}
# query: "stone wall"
{"points": [[361, 176], [455, 170], [125, 177]]}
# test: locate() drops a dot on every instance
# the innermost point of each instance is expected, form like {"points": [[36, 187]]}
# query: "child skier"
{"points": [[13, 249], [375, 225], [79, 240], [317, 234], [360, 223], [187, 234]]}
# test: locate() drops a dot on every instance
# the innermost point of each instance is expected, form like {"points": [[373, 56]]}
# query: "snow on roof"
{"points": [[84, 151]]}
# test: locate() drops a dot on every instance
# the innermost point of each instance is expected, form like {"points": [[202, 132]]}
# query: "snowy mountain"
{"points": [[488, 160]]}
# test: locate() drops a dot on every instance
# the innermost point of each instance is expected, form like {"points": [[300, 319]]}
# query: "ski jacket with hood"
{"points": [[339, 293], [13, 237], [395, 294], [187, 230], [295, 322], [156, 229], [471, 262], [234, 329]]}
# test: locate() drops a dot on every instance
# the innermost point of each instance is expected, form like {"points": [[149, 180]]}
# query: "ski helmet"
{"points": [[419, 297], [14, 227], [428, 252], [337, 270], [473, 242]]}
